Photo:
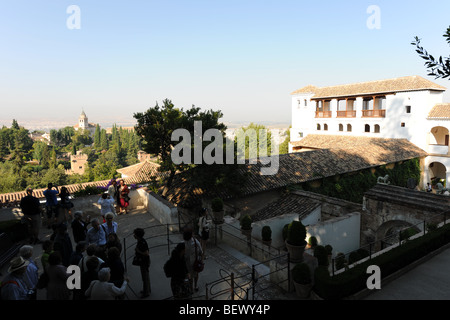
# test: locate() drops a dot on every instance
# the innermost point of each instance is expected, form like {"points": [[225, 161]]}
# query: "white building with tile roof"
{"points": [[402, 108]]}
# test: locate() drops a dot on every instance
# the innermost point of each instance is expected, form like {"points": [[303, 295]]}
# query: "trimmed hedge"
{"points": [[354, 279]]}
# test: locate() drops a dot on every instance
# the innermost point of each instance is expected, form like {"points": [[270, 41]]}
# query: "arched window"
{"points": [[367, 128], [325, 127], [341, 127], [349, 128], [376, 128], [318, 126]]}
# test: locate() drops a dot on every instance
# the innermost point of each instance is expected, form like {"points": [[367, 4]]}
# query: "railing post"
{"points": [[232, 285], [253, 282]]}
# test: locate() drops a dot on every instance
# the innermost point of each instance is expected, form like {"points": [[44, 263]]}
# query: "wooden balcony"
{"points": [[378, 113], [346, 114], [323, 114]]}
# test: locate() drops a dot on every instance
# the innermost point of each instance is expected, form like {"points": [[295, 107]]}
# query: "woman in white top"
{"points": [[101, 289], [106, 205], [203, 229]]}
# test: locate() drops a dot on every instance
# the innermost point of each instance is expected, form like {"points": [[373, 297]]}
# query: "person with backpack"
{"points": [[13, 286], [176, 269]]}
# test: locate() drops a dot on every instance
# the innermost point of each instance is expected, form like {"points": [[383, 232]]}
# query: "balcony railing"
{"points": [[346, 114], [323, 114], [377, 113]]}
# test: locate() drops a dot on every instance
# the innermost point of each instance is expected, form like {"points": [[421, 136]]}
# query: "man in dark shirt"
{"points": [[51, 204], [31, 210]]}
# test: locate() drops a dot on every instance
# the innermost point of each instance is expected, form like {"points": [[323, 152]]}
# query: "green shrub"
{"points": [[266, 233], [301, 273], [246, 222], [217, 204], [296, 233]]}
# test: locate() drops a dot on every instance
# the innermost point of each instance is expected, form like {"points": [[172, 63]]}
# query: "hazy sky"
{"points": [[243, 57]]}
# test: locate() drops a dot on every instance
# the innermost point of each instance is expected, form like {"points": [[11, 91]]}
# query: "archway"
{"points": [[439, 136], [388, 233], [437, 173]]}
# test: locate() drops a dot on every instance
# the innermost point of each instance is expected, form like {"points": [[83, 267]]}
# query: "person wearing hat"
{"points": [[14, 287], [31, 210]]}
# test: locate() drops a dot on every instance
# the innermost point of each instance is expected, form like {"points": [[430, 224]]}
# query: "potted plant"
{"points": [[217, 210], [295, 241], [246, 225], [266, 235], [301, 276]]}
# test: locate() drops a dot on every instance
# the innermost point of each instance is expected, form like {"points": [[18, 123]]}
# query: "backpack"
{"points": [[4, 284]]}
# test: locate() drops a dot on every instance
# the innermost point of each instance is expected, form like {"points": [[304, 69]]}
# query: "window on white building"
{"points": [[318, 126], [349, 128], [408, 109], [341, 127], [325, 127], [376, 128], [367, 128]]}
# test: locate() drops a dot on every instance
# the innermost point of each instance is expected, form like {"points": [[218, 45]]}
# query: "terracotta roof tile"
{"points": [[287, 204], [440, 111], [373, 150], [410, 83], [295, 168]]}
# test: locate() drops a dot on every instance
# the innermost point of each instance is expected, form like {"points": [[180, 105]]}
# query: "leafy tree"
{"points": [[438, 67], [38, 150], [103, 140], [97, 137], [157, 124]]}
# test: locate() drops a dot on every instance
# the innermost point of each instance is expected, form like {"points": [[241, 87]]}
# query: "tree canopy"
{"points": [[156, 127]]}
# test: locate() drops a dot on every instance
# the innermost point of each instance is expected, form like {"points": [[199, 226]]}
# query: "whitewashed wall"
{"points": [[342, 233]]}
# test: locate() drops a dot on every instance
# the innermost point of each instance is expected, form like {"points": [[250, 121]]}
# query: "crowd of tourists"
{"points": [[96, 250]]}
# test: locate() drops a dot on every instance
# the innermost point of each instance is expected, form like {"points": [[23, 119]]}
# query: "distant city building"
{"points": [[402, 108], [40, 137], [83, 124]]}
